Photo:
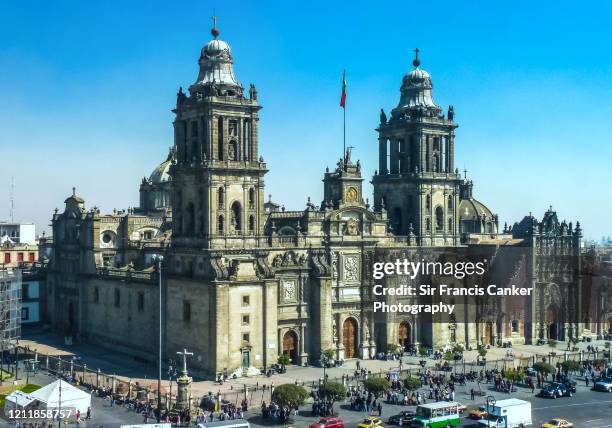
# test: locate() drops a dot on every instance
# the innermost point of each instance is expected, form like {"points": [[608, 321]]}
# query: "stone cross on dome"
{"points": [[416, 62], [184, 354]]}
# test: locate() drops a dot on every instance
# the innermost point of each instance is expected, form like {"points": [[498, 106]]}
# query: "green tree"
{"points": [[515, 375], [552, 343], [422, 351], [329, 354], [289, 395], [412, 383], [448, 356], [333, 391], [377, 385], [284, 360], [458, 348], [482, 352], [392, 348], [543, 368], [570, 366]]}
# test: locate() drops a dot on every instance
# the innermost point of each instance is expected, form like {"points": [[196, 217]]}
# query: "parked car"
{"points": [[402, 418], [570, 384], [558, 423], [479, 413], [328, 422], [555, 390], [603, 384], [371, 422]]}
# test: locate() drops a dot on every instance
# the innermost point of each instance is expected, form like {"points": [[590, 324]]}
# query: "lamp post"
{"points": [[490, 402], [171, 373], [324, 360], [158, 258]]}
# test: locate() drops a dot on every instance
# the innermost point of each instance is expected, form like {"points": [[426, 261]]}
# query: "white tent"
{"points": [[17, 400], [61, 394]]}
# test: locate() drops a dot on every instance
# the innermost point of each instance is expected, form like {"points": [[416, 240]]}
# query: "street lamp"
{"points": [[490, 402], [171, 373], [324, 361], [158, 258]]}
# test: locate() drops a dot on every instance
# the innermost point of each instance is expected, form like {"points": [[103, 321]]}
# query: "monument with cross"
{"points": [[183, 397]]}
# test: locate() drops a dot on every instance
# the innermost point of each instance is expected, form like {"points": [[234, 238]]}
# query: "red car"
{"points": [[328, 422]]}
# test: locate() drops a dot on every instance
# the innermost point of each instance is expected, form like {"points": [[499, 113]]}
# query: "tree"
{"points": [[543, 368], [552, 343], [412, 383], [570, 366], [284, 360], [377, 385], [329, 354], [482, 352], [332, 391], [290, 395], [448, 356], [458, 348], [393, 348], [515, 375], [422, 351]]}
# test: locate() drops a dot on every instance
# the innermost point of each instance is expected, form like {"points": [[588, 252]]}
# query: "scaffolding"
{"points": [[10, 308]]}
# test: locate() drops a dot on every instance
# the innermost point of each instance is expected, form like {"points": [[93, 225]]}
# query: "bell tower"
{"points": [[218, 175], [416, 179]]}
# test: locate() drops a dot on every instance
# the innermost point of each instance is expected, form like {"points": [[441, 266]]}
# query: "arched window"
{"points": [[251, 223], [439, 219], [220, 139], [221, 197], [251, 198], [397, 220], [221, 224], [190, 220], [236, 217]]}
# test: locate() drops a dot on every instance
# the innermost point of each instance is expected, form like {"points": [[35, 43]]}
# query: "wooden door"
{"points": [[349, 337], [290, 346], [404, 338]]}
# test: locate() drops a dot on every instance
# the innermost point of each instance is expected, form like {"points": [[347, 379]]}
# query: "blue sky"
{"points": [[86, 90]]}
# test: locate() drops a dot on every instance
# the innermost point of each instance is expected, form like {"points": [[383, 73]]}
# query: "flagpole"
{"points": [[344, 133]]}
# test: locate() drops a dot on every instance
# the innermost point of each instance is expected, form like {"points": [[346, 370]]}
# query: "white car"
{"points": [[603, 384]]}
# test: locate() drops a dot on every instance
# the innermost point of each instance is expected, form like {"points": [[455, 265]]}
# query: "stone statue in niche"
{"points": [[288, 290], [232, 155]]}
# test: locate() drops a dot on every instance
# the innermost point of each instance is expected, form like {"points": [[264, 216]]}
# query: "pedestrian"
{"points": [[379, 408], [88, 416], [472, 394]]}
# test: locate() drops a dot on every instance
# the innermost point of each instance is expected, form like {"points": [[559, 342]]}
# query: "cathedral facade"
{"points": [[245, 281]]}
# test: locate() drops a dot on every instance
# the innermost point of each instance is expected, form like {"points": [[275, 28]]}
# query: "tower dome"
{"points": [[216, 64], [416, 90]]}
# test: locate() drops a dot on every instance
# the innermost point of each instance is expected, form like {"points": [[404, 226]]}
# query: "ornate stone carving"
{"points": [[289, 259], [351, 268], [289, 290], [352, 227]]}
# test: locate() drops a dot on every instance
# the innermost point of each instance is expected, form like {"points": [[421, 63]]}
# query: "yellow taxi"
{"points": [[558, 423], [371, 422], [479, 413]]}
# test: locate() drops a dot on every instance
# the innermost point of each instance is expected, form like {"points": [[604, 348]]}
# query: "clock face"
{"points": [[351, 194]]}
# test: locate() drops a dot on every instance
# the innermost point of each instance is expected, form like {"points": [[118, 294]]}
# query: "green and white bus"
{"points": [[437, 415]]}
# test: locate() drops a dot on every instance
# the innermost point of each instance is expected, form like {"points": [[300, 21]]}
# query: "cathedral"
{"points": [[244, 280]]}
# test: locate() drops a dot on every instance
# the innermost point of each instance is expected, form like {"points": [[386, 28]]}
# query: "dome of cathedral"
{"points": [[215, 48], [471, 208], [161, 174], [417, 77]]}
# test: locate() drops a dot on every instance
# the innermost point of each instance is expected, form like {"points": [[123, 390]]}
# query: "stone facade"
{"points": [[244, 280]]}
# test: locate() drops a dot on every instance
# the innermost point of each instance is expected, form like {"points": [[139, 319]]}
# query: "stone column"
{"points": [[394, 164]]}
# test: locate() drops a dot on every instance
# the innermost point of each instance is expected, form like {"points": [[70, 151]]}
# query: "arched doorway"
{"points": [[290, 346], [551, 322], [349, 337], [488, 333], [404, 336]]}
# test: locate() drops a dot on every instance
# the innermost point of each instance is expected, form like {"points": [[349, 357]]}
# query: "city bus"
{"points": [[436, 415]]}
